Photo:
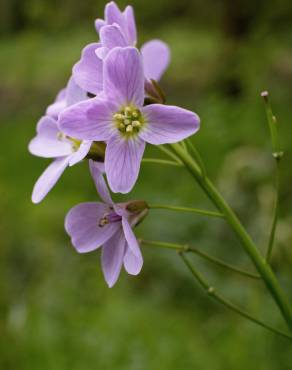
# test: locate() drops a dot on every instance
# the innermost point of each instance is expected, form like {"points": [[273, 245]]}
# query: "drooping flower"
{"points": [[95, 224], [120, 119], [50, 142], [117, 30]]}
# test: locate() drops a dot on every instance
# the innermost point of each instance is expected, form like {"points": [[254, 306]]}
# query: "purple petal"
{"points": [[98, 24], [101, 187], [112, 256], [130, 25], [81, 153], [49, 178], [112, 36], [101, 52], [59, 104], [133, 260], [74, 93], [168, 124], [88, 120], [88, 71], [156, 56], [122, 162], [113, 14], [46, 143], [81, 224], [123, 76]]}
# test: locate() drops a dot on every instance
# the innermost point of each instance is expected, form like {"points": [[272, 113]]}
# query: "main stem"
{"points": [[249, 246]]}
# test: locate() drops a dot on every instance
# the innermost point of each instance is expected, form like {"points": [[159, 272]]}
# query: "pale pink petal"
{"points": [[74, 93], [122, 162], [88, 71], [59, 104], [54, 109], [168, 124], [88, 120], [96, 170], [46, 143], [112, 36], [133, 260], [112, 256], [98, 24], [130, 25], [49, 178], [82, 224], [81, 153], [101, 52], [156, 56], [113, 14], [123, 76]]}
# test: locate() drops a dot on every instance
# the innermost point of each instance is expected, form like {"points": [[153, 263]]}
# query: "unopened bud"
{"points": [[137, 206]]}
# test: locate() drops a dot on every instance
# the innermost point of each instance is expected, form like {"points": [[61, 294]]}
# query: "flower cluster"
{"points": [[111, 107]]}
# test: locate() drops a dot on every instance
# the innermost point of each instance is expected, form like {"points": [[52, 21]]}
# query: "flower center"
{"points": [[109, 217], [129, 120]]}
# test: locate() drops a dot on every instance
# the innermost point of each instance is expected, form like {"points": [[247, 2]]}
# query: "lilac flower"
{"points": [[51, 143], [120, 119], [94, 224], [117, 30], [124, 20]]}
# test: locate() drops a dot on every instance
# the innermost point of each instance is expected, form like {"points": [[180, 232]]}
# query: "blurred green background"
{"points": [[56, 311]]}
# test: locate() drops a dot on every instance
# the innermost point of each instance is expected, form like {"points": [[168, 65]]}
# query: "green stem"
{"points": [[169, 153], [277, 154], [247, 243], [197, 157], [186, 209], [187, 248], [219, 298], [276, 213], [161, 161]]}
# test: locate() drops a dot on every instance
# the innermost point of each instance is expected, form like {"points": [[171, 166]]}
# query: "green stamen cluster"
{"points": [[75, 142], [129, 120]]}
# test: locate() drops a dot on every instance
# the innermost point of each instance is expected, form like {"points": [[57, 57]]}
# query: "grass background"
{"points": [[56, 312]]}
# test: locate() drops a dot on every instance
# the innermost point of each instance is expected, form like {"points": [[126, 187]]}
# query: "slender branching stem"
{"points": [[197, 156], [201, 212], [189, 249], [247, 243], [184, 145], [277, 154], [210, 290], [169, 153], [162, 161], [276, 212]]}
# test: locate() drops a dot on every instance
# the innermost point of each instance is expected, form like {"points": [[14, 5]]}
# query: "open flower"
{"points": [[51, 143], [117, 30], [121, 120], [94, 224]]}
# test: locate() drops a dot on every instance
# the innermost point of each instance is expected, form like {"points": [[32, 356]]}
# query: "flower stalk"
{"points": [[189, 249], [219, 298], [201, 212], [247, 243], [162, 161], [277, 154]]}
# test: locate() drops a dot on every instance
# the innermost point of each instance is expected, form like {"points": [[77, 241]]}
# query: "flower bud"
{"points": [[97, 151], [136, 206]]}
